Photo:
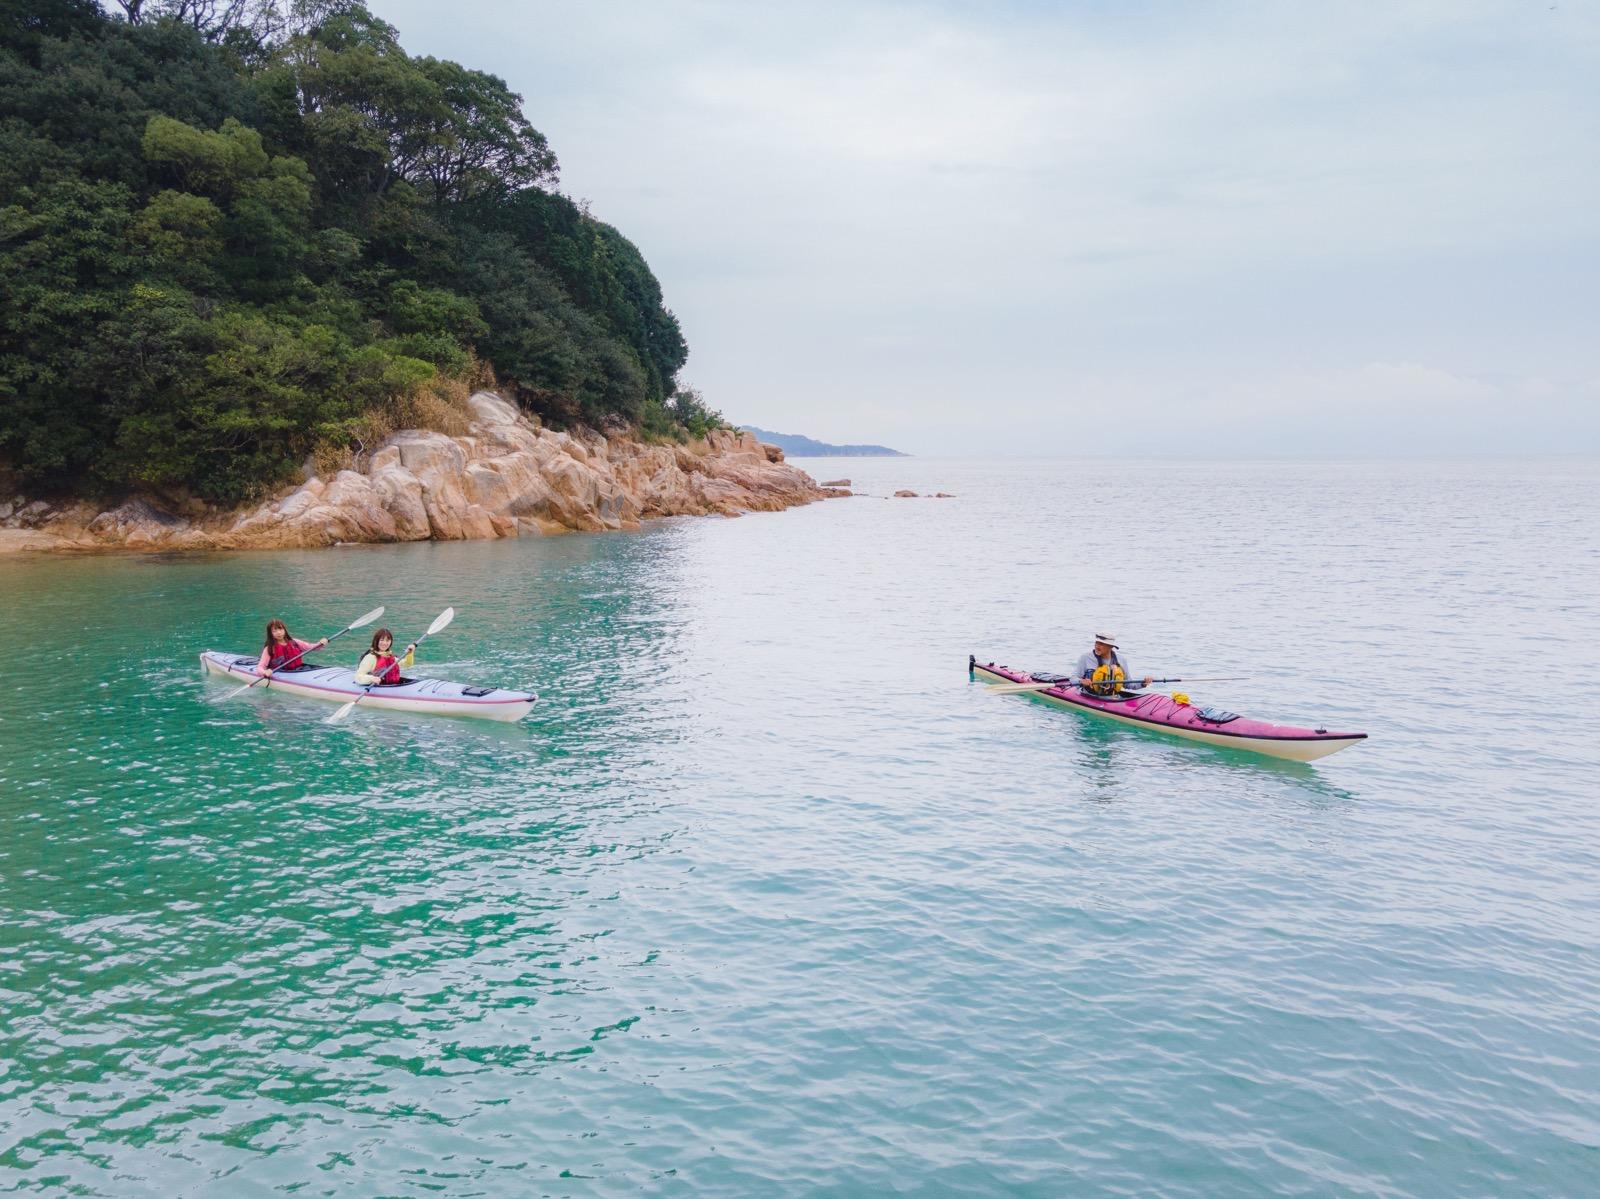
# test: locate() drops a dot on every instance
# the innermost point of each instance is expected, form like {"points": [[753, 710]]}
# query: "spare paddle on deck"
{"points": [[1011, 688], [359, 622], [439, 622]]}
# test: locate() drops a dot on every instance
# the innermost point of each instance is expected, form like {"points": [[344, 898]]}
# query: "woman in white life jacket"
{"points": [[379, 666]]}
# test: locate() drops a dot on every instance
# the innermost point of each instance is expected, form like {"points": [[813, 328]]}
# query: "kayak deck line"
{"points": [[336, 684], [1162, 713]]}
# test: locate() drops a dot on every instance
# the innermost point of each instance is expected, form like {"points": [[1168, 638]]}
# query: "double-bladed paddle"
{"points": [[1012, 688], [439, 622], [359, 622]]}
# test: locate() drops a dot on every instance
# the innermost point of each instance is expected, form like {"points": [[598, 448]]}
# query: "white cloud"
{"points": [[898, 222]]}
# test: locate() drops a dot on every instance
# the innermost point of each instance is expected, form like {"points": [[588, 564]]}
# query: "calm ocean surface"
{"points": [[767, 899]]}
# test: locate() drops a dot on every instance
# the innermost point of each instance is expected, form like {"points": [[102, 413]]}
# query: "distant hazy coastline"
{"points": [[809, 447]]}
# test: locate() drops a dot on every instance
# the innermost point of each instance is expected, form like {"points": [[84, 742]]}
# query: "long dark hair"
{"points": [[379, 636], [288, 637]]}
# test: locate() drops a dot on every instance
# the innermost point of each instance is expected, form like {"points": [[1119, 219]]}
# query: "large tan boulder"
{"points": [[439, 465], [484, 485], [137, 524], [300, 501], [400, 493], [489, 410], [476, 524], [352, 509], [499, 427], [425, 454], [735, 445]]}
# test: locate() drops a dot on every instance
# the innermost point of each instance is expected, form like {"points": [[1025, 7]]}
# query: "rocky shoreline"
{"points": [[507, 477]]}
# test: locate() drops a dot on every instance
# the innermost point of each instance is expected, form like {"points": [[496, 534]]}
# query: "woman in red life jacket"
{"points": [[283, 650], [378, 665]]}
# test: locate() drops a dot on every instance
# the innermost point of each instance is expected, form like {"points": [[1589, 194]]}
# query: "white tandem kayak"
{"points": [[337, 684]]}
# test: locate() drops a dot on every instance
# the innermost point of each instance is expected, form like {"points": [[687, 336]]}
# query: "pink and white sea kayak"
{"points": [[337, 684], [1164, 714]]}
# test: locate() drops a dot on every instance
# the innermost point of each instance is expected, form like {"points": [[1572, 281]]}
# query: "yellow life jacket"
{"points": [[1107, 679]]}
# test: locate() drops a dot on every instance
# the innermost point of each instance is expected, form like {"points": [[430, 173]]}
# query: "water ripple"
{"points": [[767, 899]]}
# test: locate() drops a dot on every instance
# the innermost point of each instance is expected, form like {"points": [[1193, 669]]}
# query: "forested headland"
{"points": [[238, 233]]}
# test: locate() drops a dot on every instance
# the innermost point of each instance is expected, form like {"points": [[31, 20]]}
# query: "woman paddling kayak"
{"points": [[282, 649], [378, 665]]}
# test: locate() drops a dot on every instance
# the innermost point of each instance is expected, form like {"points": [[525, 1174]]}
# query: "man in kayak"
{"points": [[1102, 671]]}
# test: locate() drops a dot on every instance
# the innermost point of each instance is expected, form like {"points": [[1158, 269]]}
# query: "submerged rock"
{"points": [[507, 477]]}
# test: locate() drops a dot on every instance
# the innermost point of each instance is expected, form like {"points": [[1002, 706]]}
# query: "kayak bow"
{"points": [[336, 684], [1164, 714]]}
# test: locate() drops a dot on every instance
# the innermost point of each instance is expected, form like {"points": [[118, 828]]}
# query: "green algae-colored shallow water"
{"points": [[768, 900]]}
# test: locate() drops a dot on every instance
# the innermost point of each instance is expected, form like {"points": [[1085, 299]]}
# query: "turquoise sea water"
{"points": [[767, 899]]}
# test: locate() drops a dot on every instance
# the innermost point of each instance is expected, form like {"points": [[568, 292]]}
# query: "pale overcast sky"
{"points": [[1094, 227]]}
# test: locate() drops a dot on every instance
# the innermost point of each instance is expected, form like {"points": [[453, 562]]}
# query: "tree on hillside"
{"points": [[232, 232]]}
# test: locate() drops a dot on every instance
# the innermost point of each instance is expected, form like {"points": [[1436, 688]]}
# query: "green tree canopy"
{"points": [[228, 228]]}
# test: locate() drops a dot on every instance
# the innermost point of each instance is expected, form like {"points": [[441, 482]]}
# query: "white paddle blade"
{"points": [[363, 621], [1014, 688], [442, 620], [227, 695], [342, 711]]}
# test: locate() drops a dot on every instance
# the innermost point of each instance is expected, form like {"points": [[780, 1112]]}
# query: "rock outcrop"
{"points": [[507, 477]]}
